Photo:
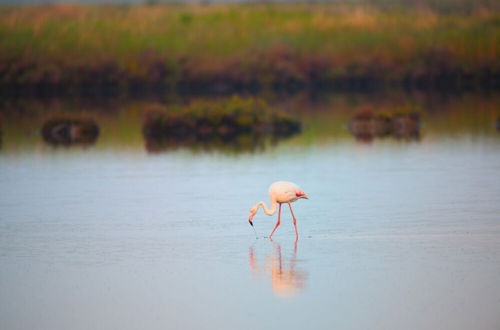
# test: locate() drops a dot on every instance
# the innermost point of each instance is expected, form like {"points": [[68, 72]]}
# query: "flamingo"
{"points": [[280, 192]]}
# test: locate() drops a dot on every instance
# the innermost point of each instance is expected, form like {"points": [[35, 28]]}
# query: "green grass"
{"points": [[262, 44]]}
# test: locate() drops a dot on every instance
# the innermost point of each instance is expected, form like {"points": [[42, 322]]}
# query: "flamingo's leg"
{"points": [[277, 223], [294, 222]]}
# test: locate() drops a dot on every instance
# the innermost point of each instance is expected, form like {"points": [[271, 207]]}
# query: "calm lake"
{"points": [[399, 232]]}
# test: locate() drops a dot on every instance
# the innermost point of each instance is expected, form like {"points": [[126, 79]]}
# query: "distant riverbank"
{"points": [[121, 49]]}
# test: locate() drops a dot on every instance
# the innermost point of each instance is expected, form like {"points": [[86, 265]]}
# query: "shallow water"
{"points": [[397, 234]]}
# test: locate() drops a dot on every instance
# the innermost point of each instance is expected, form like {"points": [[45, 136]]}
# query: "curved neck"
{"points": [[268, 211]]}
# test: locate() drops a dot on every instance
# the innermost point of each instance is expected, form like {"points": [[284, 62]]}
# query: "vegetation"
{"points": [[231, 121], [227, 47], [366, 124], [324, 119], [68, 131]]}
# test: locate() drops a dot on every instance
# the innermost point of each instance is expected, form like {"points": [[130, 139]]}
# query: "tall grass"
{"points": [[244, 45]]}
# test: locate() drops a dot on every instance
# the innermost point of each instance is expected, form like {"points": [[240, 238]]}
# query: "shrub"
{"points": [[242, 123], [223, 118], [68, 131]]}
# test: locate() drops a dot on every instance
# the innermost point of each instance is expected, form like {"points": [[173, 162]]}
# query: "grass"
{"points": [[244, 46], [235, 121]]}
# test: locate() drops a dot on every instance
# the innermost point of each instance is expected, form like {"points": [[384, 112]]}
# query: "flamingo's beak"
{"points": [[305, 196], [250, 220]]}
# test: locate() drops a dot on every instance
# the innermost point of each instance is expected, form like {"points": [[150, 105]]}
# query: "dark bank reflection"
{"points": [[1, 130], [240, 143], [287, 279]]}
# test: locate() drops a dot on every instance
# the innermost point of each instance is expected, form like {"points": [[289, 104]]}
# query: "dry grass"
{"points": [[244, 45]]}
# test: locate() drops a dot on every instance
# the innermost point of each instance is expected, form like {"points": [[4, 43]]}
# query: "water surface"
{"points": [[397, 233]]}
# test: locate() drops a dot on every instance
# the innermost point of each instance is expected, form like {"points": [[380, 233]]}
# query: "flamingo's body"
{"points": [[280, 192]]}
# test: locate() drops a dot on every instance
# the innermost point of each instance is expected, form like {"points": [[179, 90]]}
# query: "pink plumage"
{"points": [[280, 192]]}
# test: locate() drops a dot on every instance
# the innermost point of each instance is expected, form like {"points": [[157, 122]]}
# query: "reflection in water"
{"points": [[1, 131], [367, 125], [121, 122], [247, 142], [69, 131], [286, 279]]}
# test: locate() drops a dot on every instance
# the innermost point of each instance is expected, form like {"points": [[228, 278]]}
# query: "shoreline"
{"points": [[106, 49]]}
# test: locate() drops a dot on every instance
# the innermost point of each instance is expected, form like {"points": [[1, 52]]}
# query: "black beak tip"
{"points": [[250, 222]]}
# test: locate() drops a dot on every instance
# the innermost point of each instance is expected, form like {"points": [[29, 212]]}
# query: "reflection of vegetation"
{"points": [[1, 131], [232, 144], [235, 123], [366, 125], [324, 119], [267, 46], [70, 131]]}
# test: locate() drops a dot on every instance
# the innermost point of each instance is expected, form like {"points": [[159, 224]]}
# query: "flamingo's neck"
{"points": [[268, 211]]}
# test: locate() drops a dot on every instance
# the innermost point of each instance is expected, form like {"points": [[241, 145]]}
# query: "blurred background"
{"points": [[135, 137]]}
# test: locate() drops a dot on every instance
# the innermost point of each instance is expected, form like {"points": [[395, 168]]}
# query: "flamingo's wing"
{"points": [[284, 192]]}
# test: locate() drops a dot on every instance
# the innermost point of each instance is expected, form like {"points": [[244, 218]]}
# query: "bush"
{"points": [[224, 118], [68, 131], [240, 122]]}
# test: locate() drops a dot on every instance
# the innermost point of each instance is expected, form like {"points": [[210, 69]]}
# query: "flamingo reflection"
{"points": [[286, 279]]}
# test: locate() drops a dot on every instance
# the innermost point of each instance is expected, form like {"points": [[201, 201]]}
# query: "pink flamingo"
{"points": [[280, 192]]}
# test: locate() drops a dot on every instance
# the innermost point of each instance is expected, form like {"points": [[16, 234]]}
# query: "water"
{"points": [[397, 233]]}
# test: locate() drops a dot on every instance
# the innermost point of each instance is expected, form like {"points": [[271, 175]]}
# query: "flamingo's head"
{"points": [[301, 194], [253, 210]]}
